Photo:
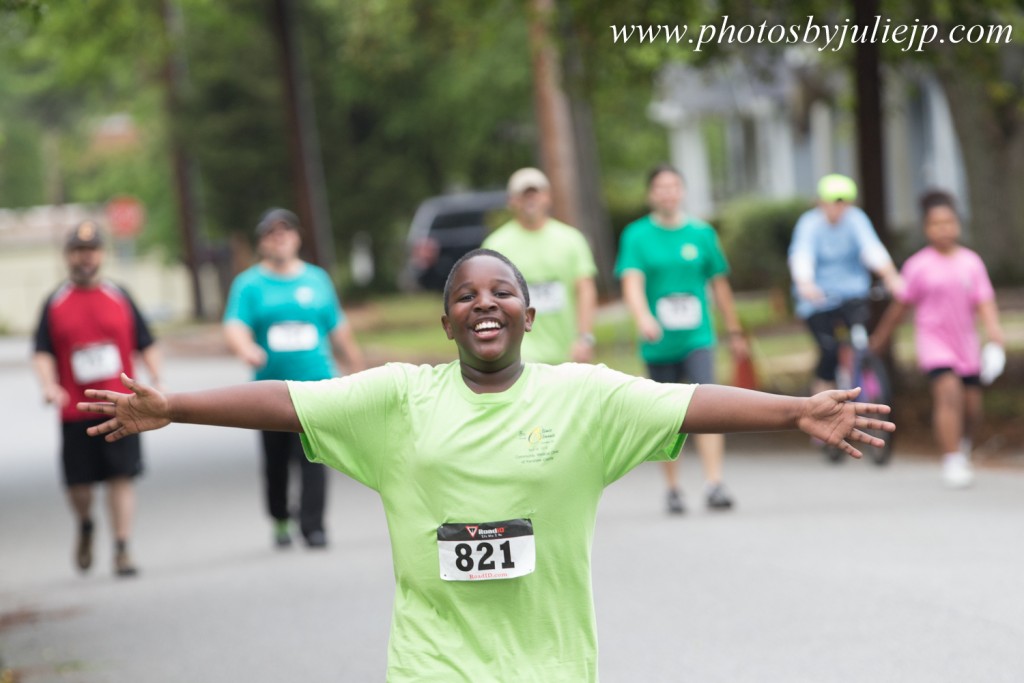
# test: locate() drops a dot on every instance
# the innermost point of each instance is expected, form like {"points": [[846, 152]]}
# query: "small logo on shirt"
{"points": [[689, 252], [540, 445], [304, 295]]}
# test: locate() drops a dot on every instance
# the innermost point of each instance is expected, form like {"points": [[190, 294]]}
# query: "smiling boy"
{"points": [[490, 471]]}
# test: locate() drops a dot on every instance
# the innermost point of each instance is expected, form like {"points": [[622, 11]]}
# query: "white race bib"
{"points": [[292, 336], [95, 363], [486, 551], [679, 312], [547, 297]]}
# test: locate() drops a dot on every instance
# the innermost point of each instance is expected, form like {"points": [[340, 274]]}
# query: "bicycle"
{"points": [[859, 367]]}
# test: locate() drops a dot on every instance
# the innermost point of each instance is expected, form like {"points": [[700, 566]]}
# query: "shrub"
{"points": [[755, 234]]}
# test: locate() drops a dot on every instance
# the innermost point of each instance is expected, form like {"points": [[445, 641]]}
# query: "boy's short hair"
{"points": [[520, 280], [933, 199]]}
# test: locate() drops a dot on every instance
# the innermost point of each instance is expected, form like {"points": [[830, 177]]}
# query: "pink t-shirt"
{"points": [[946, 291]]}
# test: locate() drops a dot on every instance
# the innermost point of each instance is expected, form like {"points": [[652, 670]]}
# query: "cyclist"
{"points": [[832, 255]]}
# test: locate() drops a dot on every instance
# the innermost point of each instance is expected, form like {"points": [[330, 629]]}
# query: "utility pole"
{"points": [[554, 116], [870, 133], [304, 142], [175, 77]]}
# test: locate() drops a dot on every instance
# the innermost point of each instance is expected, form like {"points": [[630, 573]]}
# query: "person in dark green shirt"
{"points": [[667, 263]]}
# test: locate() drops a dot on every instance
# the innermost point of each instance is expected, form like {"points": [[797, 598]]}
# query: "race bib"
{"points": [[486, 551], [679, 312], [95, 363], [547, 297], [292, 336]]}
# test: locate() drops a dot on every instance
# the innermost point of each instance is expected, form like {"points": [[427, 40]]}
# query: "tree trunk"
{"points": [[870, 140], [993, 151]]}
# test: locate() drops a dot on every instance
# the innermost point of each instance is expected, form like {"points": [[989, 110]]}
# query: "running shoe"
{"points": [[83, 548], [675, 502], [123, 565], [282, 539], [316, 539], [718, 497], [957, 471]]}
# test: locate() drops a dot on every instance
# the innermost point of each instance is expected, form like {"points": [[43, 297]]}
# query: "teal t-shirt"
{"points": [[439, 454], [291, 318], [677, 264], [551, 259]]}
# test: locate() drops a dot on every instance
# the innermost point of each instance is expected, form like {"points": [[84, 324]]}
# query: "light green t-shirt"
{"points": [[551, 259], [439, 454], [677, 265]]}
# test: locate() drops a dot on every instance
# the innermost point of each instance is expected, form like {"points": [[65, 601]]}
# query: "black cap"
{"points": [[85, 235], [274, 218]]}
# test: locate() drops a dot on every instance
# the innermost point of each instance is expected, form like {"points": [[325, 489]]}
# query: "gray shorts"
{"points": [[698, 367]]}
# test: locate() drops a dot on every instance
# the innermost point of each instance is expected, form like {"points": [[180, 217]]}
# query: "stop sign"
{"points": [[126, 216]]}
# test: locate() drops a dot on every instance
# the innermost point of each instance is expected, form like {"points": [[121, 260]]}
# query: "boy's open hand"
{"points": [[833, 417], [142, 410]]}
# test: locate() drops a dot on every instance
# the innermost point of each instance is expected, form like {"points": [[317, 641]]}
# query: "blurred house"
{"points": [[32, 265], [773, 127]]}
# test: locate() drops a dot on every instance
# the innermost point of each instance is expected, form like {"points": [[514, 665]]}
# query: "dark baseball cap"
{"points": [[274, 218], [85, 235]]}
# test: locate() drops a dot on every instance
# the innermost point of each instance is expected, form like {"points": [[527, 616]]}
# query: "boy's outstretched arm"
{"points": [[257, 405], [831, 416]]}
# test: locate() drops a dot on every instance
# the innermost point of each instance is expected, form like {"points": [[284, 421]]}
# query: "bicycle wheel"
{"points": [[875, 388], [844, 380]]}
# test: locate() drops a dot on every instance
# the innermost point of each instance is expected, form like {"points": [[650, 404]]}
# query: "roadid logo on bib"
{"points": [[486, 551]]}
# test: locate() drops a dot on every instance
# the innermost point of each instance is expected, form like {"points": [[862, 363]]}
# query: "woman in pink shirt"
{"points": [[948, 286]]}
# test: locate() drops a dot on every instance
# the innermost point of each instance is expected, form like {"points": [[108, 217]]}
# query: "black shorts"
{"points": [[90, 459], [968, 380]]}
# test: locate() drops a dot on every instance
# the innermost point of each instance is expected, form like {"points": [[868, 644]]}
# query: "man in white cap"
{"points": [[559, 269]]}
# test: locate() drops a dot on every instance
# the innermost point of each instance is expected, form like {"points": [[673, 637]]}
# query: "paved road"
{"points": [[848, 573]]}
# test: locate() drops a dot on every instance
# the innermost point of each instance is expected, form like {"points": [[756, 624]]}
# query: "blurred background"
{"points": [[391, 126]]}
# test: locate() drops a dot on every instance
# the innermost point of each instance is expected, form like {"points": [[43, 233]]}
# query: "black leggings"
{"points": [[823, 326], [279, 450]]}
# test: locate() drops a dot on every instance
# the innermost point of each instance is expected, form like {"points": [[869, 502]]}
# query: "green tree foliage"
{"points": [[63, 69], [755, 234]]}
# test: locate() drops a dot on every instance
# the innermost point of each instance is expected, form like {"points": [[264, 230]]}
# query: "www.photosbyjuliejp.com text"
{"points": [[915, 36]]}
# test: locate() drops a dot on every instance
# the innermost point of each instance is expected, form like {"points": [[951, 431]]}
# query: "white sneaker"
{"points": [[957, 471]]}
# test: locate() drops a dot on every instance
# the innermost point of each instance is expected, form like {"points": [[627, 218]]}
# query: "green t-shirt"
{"points": [[440, 454], [677, 264], [551, 259]]}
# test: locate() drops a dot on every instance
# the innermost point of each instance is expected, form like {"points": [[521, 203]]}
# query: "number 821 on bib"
{"points": [[486, 551]]}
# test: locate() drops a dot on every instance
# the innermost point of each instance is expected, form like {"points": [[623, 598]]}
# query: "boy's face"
{"points": [[487, 314], [942, 227]]}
